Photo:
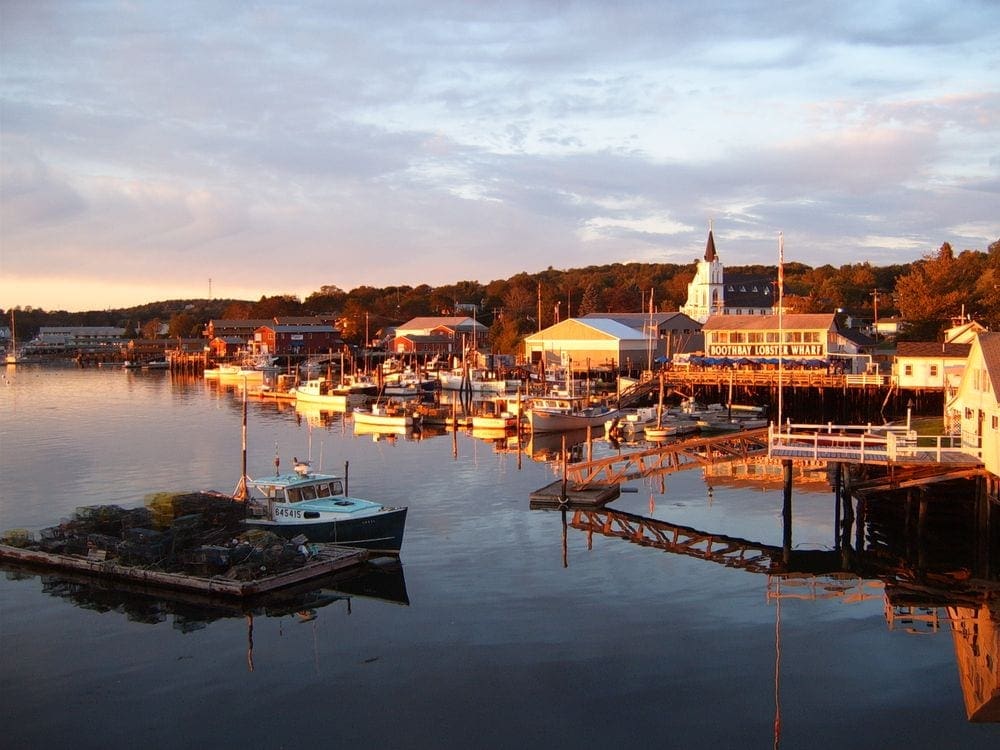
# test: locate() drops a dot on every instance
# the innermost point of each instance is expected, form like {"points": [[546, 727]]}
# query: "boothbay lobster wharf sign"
{"points": [[766, 350]]}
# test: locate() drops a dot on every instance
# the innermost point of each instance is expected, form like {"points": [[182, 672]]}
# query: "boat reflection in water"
{"points": [[931, 553], [190, 611]]}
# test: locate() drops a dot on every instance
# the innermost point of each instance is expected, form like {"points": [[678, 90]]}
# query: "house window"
{"points": [[968, 413], [995, 421], [934, 371], [908, 370]]}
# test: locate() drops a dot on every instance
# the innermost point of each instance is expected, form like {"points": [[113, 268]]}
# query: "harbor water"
{"points": [[502, 625]]}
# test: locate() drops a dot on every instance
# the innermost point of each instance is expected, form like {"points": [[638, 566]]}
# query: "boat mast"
{"points": [[241, 487], [781, 330]]}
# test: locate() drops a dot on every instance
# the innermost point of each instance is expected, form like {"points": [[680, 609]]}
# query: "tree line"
{"points": [[927, 293]]}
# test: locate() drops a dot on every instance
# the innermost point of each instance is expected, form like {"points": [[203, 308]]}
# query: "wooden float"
{"points": [[326, 559], [572, 495]]}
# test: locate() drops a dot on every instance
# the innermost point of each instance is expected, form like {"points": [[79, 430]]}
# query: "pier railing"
{"points": [[869, 444]]}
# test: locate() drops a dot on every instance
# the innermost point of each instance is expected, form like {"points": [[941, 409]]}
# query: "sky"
{"points": [[233, 149]]}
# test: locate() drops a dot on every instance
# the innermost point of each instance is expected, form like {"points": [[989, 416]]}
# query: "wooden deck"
{"points": [[329, 560]]}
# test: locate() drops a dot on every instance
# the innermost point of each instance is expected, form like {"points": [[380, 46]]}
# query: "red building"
{"points": [[280, 340]]}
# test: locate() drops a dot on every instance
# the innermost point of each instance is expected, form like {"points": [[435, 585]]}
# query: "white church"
{"points": [[711, 292]]}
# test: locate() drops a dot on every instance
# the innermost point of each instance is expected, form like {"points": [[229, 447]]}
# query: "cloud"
{"points": [[394, 142]]}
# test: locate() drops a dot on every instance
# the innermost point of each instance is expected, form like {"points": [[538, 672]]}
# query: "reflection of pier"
{"points": [[948, 562]]}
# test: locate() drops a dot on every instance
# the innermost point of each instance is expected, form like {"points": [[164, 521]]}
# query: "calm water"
{"points": [[503, 639]]}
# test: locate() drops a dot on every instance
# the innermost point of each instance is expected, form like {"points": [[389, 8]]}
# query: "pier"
{"points": [[670, 457]]}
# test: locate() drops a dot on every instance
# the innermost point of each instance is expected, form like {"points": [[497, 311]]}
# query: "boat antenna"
{"points": [[277, 459]]}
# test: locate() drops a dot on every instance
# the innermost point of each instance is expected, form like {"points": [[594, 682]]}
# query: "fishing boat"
{"points": [[314, 505], [561, 413], [473, 379], [323, 392]]}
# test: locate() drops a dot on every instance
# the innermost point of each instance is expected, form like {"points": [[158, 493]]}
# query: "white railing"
{"points": [[866, 379], [864, 443]]}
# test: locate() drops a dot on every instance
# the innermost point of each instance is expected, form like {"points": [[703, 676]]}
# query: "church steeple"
{"points": [[710, 253], [706, 292]]}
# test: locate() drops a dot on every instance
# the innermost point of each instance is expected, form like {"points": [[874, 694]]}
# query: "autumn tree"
{"points": [[927, 296]]}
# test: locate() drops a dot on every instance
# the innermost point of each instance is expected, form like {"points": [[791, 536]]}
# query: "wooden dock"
{"points": [[328, 559], [574, 495]]}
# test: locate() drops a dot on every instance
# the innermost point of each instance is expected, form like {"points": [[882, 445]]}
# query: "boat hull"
{"points": [[381, 532], [543, 421]]}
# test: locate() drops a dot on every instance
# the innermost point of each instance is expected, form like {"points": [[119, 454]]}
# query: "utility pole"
{"points": [[875, 328], [539, 313]]}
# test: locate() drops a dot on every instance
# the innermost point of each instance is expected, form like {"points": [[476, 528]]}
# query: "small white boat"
{"points": [[502, 421], [381, 414], [324, 392], [673, 427]]}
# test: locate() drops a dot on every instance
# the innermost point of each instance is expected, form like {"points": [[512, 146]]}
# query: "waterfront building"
{"points": [[243, 329], [594, 343], [974, 410], [963, 332], [929, 365], [799, 339], [281, 340], [68, 339], [713, 292], [464, 331], [429, 345], [679, 332]]}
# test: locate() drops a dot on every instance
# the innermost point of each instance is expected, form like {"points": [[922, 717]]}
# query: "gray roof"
{"points": [[612, 328]]}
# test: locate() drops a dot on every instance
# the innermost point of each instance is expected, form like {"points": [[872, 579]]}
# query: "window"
{"points": [[934, 371], [737, 337], [771, 337], [908, 370], [721, 337], [337, 487], [755, 337]]}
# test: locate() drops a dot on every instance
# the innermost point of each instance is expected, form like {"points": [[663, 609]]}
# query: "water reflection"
{"points": [[932, 555], [189, 611]]}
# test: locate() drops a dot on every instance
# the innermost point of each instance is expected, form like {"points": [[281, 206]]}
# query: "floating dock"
{"points": [[574, 495], [326, 559]]}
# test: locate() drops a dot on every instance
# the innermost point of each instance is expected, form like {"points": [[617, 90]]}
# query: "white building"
{"points": [[975, 408], [929, 365], [711, 292], [594, 343]]}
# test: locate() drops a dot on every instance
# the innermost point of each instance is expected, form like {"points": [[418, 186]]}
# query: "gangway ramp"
{"points": [[669, 458]]}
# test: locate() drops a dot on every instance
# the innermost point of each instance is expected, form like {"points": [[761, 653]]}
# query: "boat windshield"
{"points": [[313, 491]]}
